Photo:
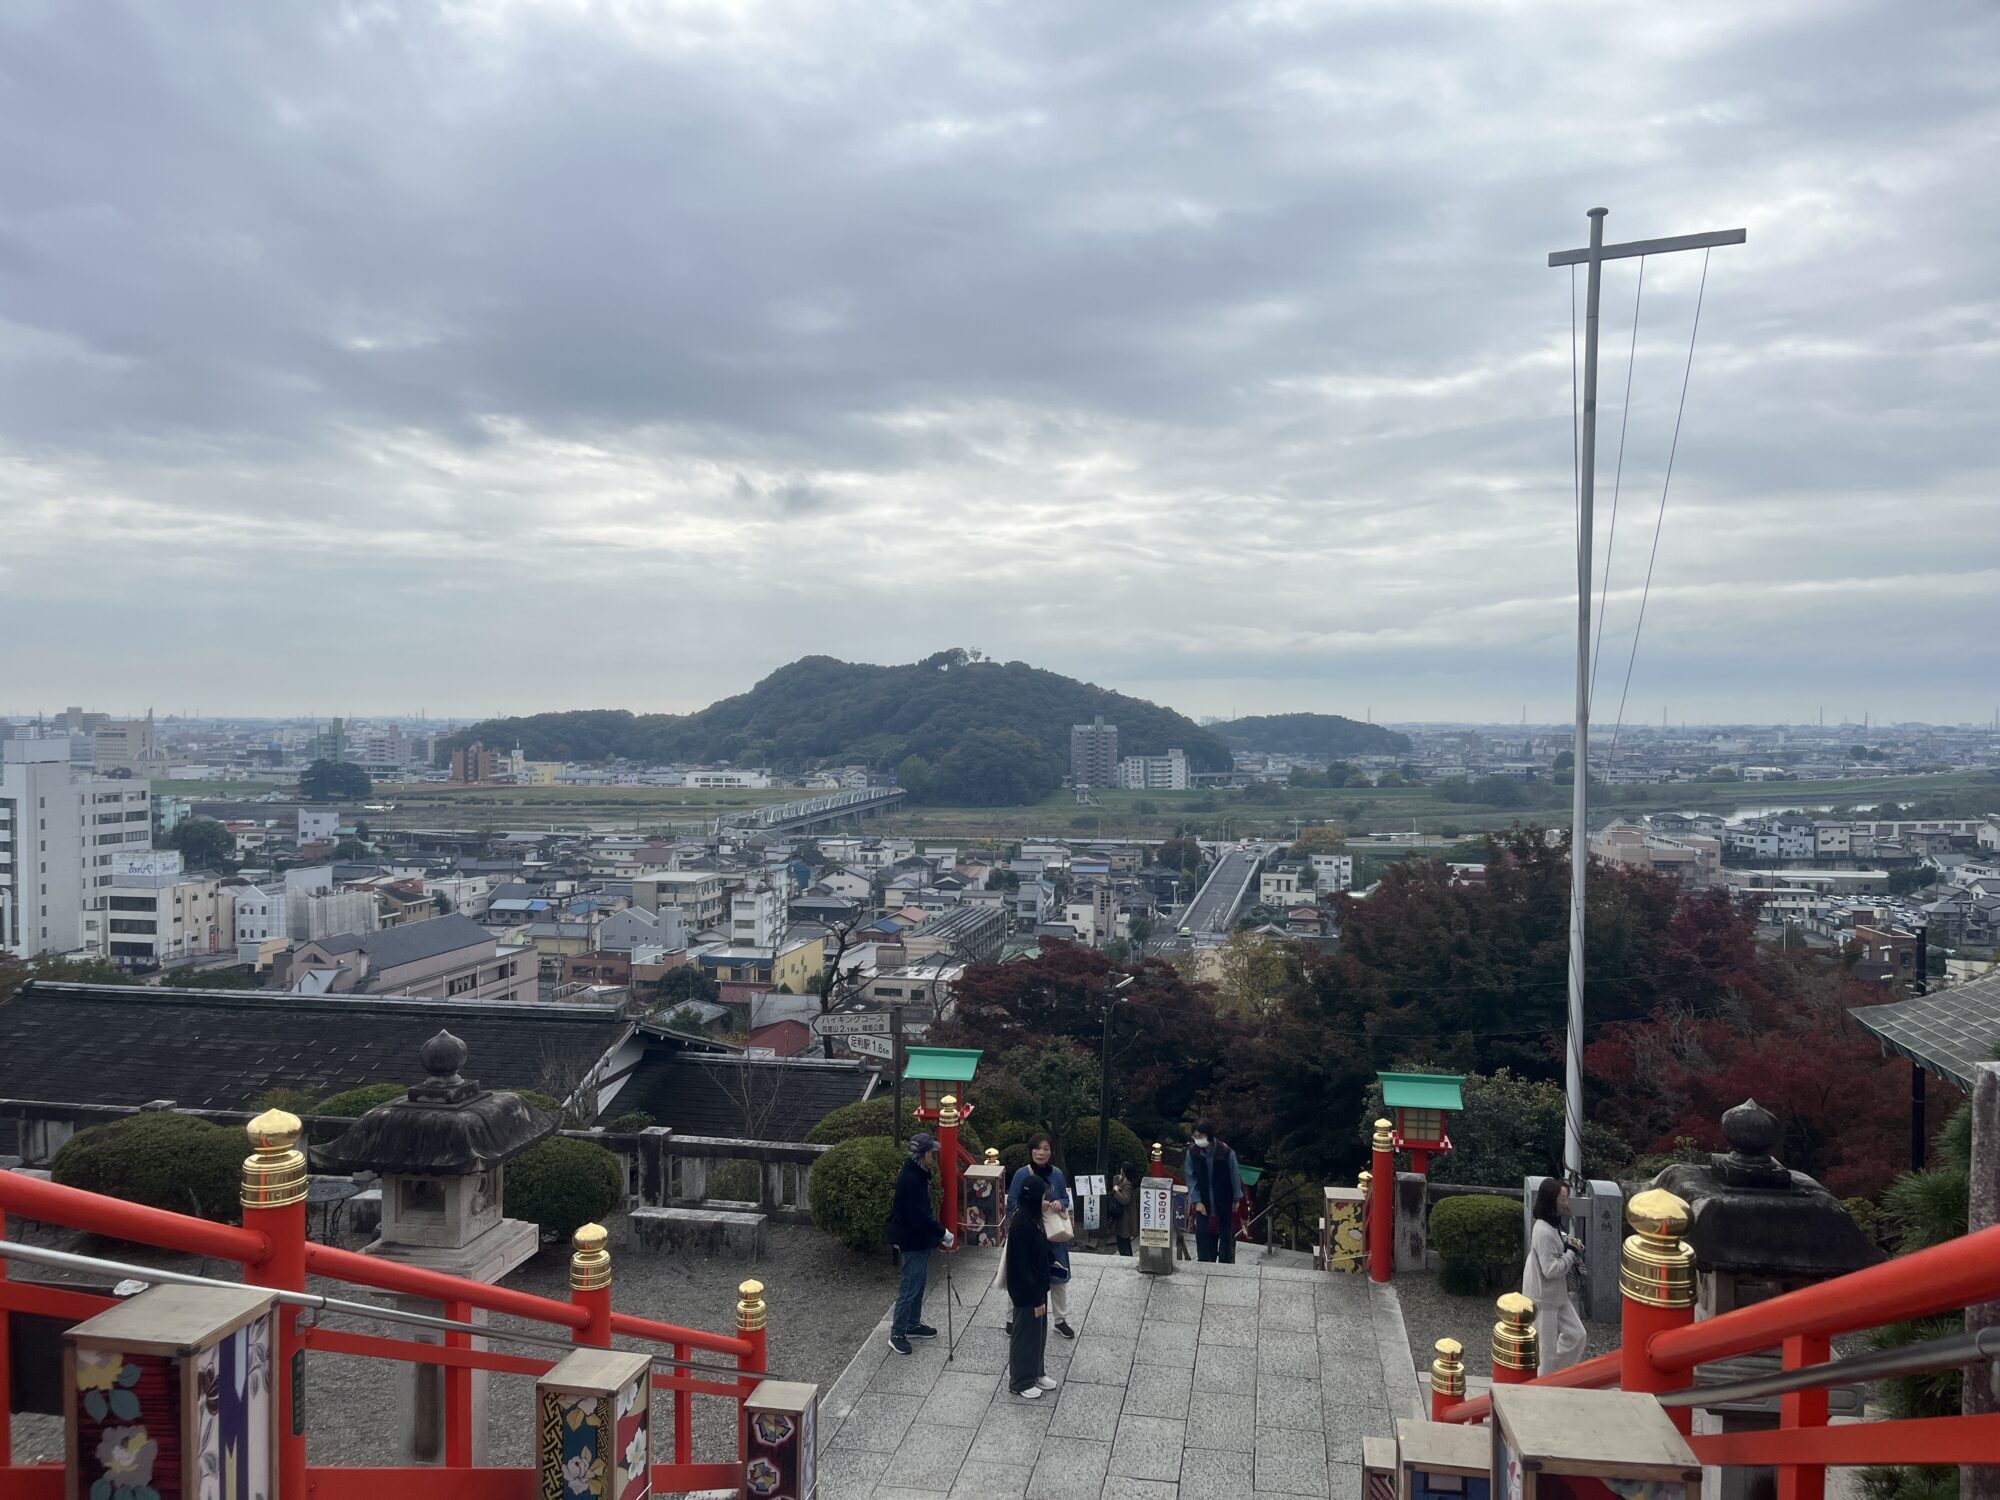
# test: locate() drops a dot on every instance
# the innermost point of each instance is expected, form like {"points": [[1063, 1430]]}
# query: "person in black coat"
{"points": [[914, 1230], [1030, 1261]]}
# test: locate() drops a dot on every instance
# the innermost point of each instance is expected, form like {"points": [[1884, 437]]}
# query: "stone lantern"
{"points": [[1759, 1230], [441, 1151]]}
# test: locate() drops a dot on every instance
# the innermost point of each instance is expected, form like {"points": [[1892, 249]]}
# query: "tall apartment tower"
{"points": [[1093, 753], [61, 831]]}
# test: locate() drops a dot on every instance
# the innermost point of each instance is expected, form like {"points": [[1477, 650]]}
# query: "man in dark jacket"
{"points": [[915, 1231]]}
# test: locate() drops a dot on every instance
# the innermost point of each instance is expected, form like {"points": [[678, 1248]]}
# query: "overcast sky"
{"points": [[505, 357]]}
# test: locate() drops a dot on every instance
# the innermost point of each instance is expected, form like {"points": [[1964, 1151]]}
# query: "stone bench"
{"points": [[709, 1231]]}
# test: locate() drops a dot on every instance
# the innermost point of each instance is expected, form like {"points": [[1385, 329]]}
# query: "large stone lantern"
{"points": [[1759, 1230], [441, 1151]]}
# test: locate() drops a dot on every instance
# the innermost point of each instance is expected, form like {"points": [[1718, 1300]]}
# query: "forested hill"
{"points": [[1311, 734], [957, 729]]}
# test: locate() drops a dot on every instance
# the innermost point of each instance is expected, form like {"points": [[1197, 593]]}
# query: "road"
{"points": [[1213, 911]]}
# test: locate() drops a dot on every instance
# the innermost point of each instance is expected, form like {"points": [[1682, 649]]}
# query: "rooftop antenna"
{"points": [[1593, 256]]}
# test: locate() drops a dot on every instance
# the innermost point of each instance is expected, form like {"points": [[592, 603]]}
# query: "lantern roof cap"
{"points": [[1423, 1090], [446, 1126], [940, 1064]]}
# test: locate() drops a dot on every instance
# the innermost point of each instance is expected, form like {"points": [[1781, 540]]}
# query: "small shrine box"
{"points": [[781, 1447], [1443, 1459], [985, 1207], [170, 1394], [938, 1071], [1555, 1444], [1343, 1243], [1378, 1468], [593, 1415]]}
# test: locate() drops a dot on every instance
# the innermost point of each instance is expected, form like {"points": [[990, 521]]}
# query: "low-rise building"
{"points": [[155, 913], [700, 895], [452, 957]]}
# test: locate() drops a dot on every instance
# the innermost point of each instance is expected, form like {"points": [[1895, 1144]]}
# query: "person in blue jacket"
{"points": [[914, 1230], [1055, 1188], [1214, 1183]]}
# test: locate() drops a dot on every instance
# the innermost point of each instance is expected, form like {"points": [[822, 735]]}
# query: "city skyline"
{"points": [[1209, 355]]}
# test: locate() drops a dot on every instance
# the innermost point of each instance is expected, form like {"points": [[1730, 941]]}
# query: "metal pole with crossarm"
{"points": [[1593, 255]]}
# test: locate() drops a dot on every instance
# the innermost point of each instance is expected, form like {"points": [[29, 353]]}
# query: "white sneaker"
{"points": [[1046, 1382], [1032, 1393]]}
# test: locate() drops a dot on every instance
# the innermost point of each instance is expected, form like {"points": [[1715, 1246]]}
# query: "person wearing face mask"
{"points": [[1214, 1185]]}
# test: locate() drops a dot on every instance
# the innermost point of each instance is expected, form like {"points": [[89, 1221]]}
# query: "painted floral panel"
{"points": [[126, 1444]]}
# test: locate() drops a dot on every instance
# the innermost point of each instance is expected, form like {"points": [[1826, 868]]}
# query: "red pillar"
{"points": [[590, 1285], [1656, 1275], [1382, 1205], [750, 1327], [274, 1205], [948, 1118], [1803, 1409], [458, 1394], [6, 1389], [1516, 1348], [1447, 1377]]}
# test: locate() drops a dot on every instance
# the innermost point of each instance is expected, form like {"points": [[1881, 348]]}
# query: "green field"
{"points": [[1120, 815]]}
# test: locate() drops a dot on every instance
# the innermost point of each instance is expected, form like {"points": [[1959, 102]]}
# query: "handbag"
{"points": [[1056, 1224]]}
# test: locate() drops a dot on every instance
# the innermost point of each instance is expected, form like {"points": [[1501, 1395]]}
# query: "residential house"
{"points": [[452, 957]]}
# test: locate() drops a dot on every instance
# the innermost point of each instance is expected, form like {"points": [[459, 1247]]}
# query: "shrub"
{"points": [[291, 1100], [874, 1117], [163, 1160], [631, 1122], [851, 1189], [1080, 1148], [562, 1184], [736, 1180], [353, 1103], [1479, 1238]]}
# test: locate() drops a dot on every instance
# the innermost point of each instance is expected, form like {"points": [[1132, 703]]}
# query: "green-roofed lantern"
{"points": [[1422, 1104], [1248, 1173], [938, 1071]]}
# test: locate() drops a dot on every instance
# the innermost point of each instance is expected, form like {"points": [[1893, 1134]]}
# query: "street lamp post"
{"points": [[1104, 1078]]}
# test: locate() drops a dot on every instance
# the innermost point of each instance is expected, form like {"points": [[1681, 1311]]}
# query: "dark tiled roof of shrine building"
{"points": [[220, 1049]]}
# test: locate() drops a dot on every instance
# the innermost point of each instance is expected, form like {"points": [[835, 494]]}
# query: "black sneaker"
{"points": [[1065, 1330], [899, 1343], [922, 1331]]}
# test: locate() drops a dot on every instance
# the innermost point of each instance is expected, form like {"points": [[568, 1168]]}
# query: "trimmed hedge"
{"points": [[873, 1117], [1080, 1148], [1479, 1238], [563, 1184], [735, 1180], [852, 1186], [353, 1103], [631, 1122], [169, 1161]]}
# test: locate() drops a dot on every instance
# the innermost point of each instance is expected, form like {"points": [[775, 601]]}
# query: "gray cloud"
{"points": [[1207, 351]]}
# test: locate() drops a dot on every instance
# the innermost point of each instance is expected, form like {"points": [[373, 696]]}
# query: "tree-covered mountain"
{"points": [[958, 728], [1310, 734]]}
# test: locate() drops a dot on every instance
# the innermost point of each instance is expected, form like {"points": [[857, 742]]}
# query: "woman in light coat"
{"points": [[1545, 1280]]}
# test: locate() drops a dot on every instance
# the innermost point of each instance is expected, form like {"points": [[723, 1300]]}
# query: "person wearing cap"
{"points": [[914, 1230]]}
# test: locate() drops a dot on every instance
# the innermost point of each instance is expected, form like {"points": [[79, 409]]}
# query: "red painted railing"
{"points": [[1942, 1279], [273, 1252]]}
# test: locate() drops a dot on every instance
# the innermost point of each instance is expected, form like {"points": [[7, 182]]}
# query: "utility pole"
{"points": [[1594, 255]]}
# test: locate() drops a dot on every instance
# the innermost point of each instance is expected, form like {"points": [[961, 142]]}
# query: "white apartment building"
{"points": [[317, 823], [1154, 773], [155, 912], [1333, 872], [756, 917], [727, 779], [698, 893], [1279, 887], [60, 830]]}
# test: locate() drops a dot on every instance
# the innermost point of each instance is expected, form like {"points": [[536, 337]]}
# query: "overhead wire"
{"points": [[1687, 373], [1617, 481]]}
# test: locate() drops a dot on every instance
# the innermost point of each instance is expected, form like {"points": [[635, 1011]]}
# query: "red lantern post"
{"points": [[1382, 1205]]}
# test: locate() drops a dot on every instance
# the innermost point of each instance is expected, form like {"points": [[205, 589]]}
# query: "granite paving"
{"points": [[1255, 1380]]}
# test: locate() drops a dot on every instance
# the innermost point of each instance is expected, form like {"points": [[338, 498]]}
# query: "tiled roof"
{"points": [[748, 1098], [220, 1049], [1949, 1033], [393, 947]]}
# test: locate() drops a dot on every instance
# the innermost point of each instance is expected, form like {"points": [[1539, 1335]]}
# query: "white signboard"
{"points": [[1155, 1214], [870, 1046], [1090, 1185], [1090, 1219], [860, 1023]]}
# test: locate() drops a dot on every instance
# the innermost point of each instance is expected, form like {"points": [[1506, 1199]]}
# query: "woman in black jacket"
{"points": [[1029, 1258]]}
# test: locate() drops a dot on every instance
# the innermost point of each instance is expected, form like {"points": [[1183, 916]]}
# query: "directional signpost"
{"points": [[872, 1033]]}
